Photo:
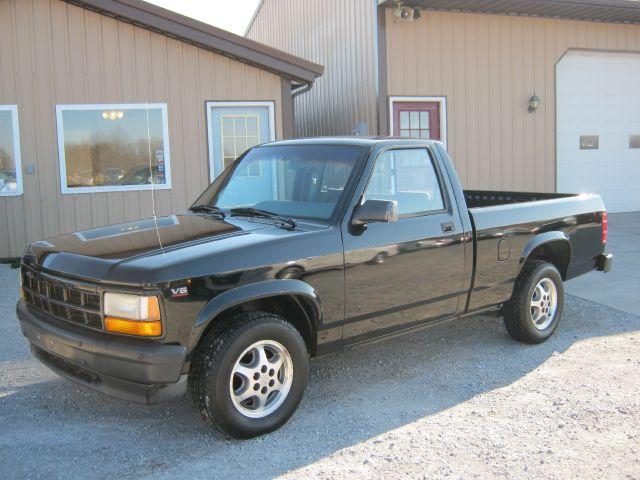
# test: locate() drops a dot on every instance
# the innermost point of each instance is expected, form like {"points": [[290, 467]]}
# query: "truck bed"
{"points": [[490, 198], [507, 225]]}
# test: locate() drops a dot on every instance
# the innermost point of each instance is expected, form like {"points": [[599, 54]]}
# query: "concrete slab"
{"points": [[619, 288]]}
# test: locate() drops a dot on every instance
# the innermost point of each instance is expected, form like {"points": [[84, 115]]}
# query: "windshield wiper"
{"points": [[256, 212], [207, 209]]}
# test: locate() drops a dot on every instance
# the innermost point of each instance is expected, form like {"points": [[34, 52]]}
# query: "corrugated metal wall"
{"points": [[339, 34], [54, 53], [488, 66]]}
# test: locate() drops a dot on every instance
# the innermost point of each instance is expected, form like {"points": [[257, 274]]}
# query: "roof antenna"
{"points": [[153, 196]]}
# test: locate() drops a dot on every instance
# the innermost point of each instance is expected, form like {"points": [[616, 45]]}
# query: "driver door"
{"points": [[405, 273]]}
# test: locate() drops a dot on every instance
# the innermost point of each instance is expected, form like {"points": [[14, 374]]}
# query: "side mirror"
{"points": [[385, 211]]}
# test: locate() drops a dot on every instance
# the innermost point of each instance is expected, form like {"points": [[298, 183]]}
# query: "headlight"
{"points": [[132, 314]]}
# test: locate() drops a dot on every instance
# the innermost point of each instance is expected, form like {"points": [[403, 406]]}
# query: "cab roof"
{"points": [[359, 141]]}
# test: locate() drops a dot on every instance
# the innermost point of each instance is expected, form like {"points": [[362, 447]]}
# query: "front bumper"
{"points": [[125, 368], [604, 263]]}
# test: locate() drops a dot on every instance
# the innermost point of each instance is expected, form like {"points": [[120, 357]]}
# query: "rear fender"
{"points": [[550, 239]]}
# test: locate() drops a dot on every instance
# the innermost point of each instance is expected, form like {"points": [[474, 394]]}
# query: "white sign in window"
{"points": [[109, 148], [10, 163]]}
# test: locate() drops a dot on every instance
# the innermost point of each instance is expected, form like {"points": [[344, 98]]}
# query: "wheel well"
{"points": [[557, 253], [296, 309]]}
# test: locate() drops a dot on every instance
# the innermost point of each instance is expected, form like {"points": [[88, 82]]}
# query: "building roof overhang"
{"points": [[616, 11], [206, 36]]}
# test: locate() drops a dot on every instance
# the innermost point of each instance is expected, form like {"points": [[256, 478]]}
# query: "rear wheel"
{"points": [[249, 374], [534, 310]]}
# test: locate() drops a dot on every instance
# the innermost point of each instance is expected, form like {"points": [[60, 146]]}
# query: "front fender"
{"points": [[254, 291]]}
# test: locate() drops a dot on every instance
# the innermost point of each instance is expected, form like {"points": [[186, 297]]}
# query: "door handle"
{"points": [[447, 227]]}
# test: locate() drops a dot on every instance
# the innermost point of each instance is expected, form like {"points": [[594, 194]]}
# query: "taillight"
{"points": [[605, 227]]}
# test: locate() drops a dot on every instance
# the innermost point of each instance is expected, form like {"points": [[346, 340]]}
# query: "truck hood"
{"points": [[101, 254]]}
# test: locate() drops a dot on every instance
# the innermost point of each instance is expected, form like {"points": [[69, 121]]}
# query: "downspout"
{"points": [[300, 90], [294, 93]]}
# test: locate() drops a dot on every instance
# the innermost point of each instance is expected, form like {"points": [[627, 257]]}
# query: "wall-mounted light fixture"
{"points": [[406, 13], [534, 103]]}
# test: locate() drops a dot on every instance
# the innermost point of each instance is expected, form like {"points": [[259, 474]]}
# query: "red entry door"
{"points": [[416, 120]]}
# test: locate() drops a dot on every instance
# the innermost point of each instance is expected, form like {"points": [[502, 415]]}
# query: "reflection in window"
{"points": [[10, 169], [409, 178], [634, 141], [589, 142], [239, 133], [113, 147], [414, 124]]}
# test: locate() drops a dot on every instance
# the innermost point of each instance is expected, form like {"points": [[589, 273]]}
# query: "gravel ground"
{"points": [[457, 400]]}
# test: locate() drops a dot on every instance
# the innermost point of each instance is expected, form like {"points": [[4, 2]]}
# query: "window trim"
{"points": [[211, 104], [17, 155], [112, 188], [443, 112], [443, 189]]}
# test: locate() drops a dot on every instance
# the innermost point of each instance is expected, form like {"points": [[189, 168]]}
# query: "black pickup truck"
{"points": [[300, 248]]}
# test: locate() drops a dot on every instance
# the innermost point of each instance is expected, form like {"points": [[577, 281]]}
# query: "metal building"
{"points": [[528, 96]]}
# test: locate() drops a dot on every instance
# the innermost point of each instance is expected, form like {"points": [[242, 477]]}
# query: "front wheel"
{"points": [[249, 374], [534, 310]]}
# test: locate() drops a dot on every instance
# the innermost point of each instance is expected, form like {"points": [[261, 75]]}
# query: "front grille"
{"points": [[61, 299]]}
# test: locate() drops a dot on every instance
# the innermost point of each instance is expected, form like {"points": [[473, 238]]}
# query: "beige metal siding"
{"points": [[488, 66], [339, 34], [55, 53]]}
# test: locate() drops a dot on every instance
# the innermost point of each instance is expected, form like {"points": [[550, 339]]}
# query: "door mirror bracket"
{"points": [[381, 211]]}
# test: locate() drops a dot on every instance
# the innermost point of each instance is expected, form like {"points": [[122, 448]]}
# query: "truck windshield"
{"points": [[298, 181]]}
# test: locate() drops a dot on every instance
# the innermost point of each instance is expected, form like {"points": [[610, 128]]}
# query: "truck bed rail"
{"points": [[488, 198]]}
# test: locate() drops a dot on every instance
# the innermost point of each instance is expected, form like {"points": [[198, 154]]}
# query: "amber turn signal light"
{"points": [[133, 327], [153, 309]]}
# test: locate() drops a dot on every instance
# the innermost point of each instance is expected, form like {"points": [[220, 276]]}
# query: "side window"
{"points": [[10, 168], [408, 177]]}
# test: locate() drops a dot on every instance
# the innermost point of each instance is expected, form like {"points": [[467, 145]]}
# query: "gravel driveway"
{"points": [[459, 400]]}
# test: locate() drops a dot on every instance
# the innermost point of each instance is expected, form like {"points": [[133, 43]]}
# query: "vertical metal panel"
{"points": [[339, 34], [488, 66], [55, 53]]}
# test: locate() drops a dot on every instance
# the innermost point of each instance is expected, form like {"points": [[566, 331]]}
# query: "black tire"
{"points": [[213, 364], [517, 311]]}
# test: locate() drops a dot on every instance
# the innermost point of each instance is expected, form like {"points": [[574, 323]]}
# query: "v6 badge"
{"points": [[179, 292]]}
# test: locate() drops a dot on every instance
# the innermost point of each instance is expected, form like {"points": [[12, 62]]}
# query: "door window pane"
{"points": [[10, 166], [242, 136], [113, 147], [414, 124], [409, 178], [414, 120], [404, 120], [424, 120]]}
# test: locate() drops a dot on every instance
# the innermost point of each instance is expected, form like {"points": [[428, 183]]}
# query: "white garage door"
{"points": [[598, 115]]}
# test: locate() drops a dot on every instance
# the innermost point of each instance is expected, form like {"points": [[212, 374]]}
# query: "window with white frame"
{"points": [[234, 127], [10, 162], [115, 147]]}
